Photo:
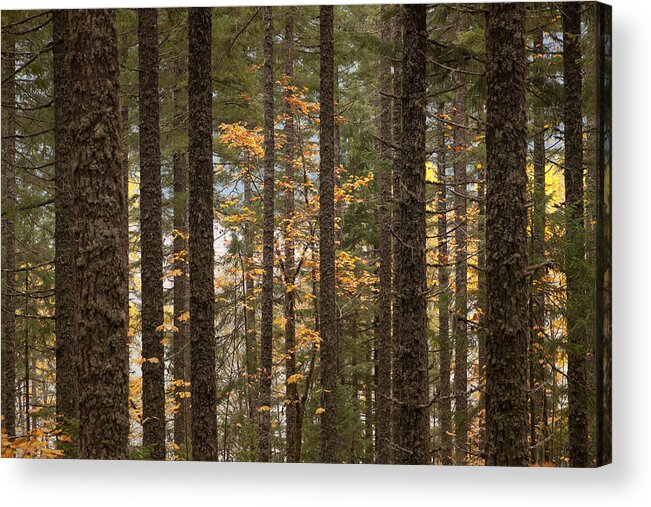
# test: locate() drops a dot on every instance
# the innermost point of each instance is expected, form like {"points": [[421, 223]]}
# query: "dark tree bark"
{"points": [[266, 328], [328, 306], [575, 247], [460, 320], [8, 234], [67, 382], [383, 393], [603, 260], [291, 394], [125, 125], [28, 362], [506, 238], [202, 289], [600, 239], [396, 136], [151, 238], [100, 200], [180, 369], [411, 354], [444, 298], [606, 117]]}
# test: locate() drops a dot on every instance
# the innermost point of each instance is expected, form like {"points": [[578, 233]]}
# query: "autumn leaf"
{"points": [[295, 378]]}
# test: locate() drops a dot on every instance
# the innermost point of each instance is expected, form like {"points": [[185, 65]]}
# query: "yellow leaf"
{"points": [[319, 411], [153, 360], [184, 316], [264, 408], [430, 172], [295, 378]]}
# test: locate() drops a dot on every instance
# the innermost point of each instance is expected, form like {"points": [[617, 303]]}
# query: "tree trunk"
{"points": [[202, 289], [151, 238], [603, 260], [291, 394], [8, 235], [460, 320], [575, 247], [396, 136], [266, 328], [27, 364], [411, 354], [328, 306], [180, 265], [125, 125], [67, 383], [443, 302], [383, 393], [100, 200], [506, 238]]}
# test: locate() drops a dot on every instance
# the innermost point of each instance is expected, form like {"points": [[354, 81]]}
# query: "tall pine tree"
{"points": [[266, 335], [411, 353], [100, 201], [201, 249], [575, 246], [328, 306], [506, 238], [151, 237]]}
